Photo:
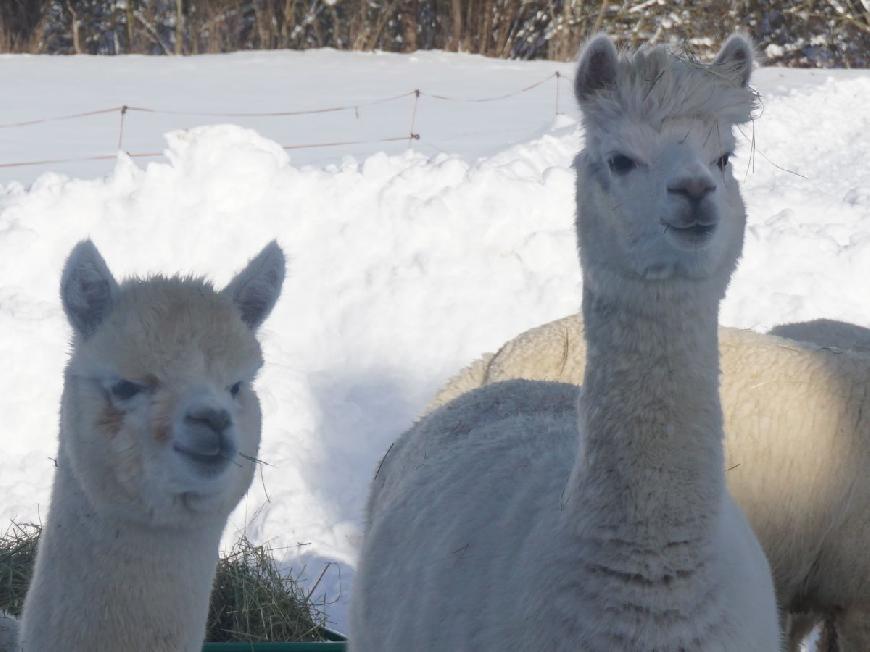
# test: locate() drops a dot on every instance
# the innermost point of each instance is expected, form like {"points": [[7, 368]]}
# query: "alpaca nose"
{"points": [[694, 189], [215, 419], [204, 437]]}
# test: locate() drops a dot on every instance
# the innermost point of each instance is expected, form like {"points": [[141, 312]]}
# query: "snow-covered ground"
{"points": [[404, 264]]}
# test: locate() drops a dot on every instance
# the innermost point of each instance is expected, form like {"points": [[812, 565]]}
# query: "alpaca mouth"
{"points": [[209, 462], [692, 234]]}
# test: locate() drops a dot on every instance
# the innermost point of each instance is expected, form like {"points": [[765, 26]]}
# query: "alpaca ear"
{"points": [[87, 288], [256, 288], [736, 55], [597, 67]]}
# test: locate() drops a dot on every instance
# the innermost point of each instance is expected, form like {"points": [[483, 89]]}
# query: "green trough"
{"points": [[330, 646], [334, 642]]}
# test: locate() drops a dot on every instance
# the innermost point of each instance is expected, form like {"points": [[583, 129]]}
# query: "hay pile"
{"points": [[17, 554], [253, 600]]}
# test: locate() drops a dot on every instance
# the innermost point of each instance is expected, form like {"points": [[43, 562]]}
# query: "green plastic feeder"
{"points": [[334, 642], [328, 646]]}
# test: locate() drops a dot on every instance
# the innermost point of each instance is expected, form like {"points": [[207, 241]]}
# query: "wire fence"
{"points": [[124, 111]]}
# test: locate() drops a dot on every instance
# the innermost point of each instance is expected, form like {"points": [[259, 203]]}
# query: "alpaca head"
{"points": [[655, 191], [159, 420]]}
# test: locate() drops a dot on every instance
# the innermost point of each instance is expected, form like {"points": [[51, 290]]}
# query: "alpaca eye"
{"points": [[234, 389], [621, 164], [124, 389], [722, 161]]}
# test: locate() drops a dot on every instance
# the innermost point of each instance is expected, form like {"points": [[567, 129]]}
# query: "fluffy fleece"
{"points": [[846, 622], [159, 429], [797, 420], [530, 520]]}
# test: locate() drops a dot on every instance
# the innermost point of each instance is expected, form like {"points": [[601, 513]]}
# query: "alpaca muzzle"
{"points": [[205, 439]]}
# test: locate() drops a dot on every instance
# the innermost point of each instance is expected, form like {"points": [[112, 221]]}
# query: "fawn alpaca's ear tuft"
{"points": [[257, 287], [87, 288]]}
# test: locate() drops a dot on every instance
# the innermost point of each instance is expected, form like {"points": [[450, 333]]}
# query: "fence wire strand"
{"points": [[274, 114], [58, 118], [494, 98], [125, 109]]}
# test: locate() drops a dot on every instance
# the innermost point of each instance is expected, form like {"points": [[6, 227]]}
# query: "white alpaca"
{"points": [[797, 446], [493, 524], [159, 427]]}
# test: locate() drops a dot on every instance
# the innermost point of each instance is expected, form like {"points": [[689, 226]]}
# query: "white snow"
{"points": [[404, 264]]}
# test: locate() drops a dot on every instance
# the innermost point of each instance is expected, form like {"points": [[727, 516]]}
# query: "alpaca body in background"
{"points": [[797, 448]]}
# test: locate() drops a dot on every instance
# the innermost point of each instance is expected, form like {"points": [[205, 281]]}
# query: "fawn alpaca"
{"points": [[158, 432]]}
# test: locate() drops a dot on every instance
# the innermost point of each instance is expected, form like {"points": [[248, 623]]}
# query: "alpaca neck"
{"points": [[650, 461], [137, 587]]}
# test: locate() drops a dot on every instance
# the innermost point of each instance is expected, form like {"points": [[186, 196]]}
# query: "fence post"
{"points": [[412, 135], [121, 131], [558, 78]]}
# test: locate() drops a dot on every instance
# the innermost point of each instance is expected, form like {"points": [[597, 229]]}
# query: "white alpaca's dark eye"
{"points": [[723, 160], [124, 389], [621, 164], [234, 389]]}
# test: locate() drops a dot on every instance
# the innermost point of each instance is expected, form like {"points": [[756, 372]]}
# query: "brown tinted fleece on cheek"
{"points": [[160, 426], [110, 421], [161, 432]]}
